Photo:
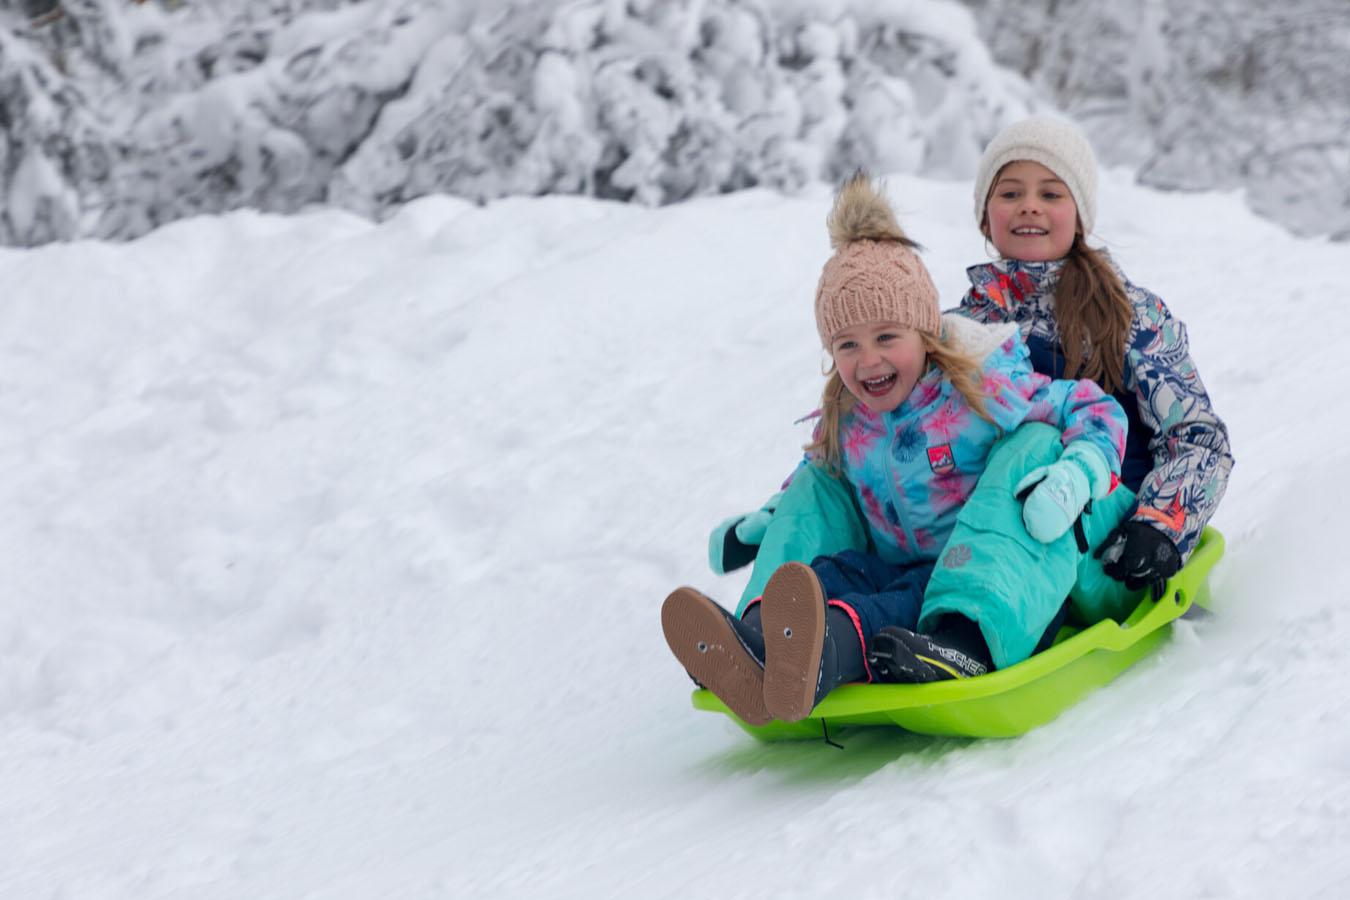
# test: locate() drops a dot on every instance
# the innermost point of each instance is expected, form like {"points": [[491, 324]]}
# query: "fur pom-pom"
{"points": [[861, 212]]}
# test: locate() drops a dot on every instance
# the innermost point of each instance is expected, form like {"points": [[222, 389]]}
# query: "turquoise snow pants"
{"points": [[995, 573], [991, 570], [816, 516]]}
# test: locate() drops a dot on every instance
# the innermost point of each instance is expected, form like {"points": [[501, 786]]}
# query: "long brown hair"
{"points": [[1093, 314], [963, 370]]}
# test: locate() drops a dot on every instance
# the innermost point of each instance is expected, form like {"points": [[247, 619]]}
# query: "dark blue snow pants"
{"points": [[877, 592]]}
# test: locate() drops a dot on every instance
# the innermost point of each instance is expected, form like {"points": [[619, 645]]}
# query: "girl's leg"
{"points": [[847, 662], [874, 593], [721, 653], [817, 621], [1096, 595], [817, 515], [992, 571], [995, 574], [792, 611], [955, 648]]}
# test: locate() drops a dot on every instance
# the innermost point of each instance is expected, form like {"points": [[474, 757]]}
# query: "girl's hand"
{"points": [[1055, 495], [1139, 555], [735, 542]]}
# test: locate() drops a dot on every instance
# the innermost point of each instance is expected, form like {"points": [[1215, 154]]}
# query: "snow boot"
{"points": [[809, 648], [956, 650], [720, 652]]}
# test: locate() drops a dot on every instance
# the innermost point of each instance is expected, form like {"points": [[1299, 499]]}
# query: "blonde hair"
{"points": [[963, 370]]}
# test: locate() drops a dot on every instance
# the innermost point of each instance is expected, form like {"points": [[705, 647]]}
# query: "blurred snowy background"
{"points": [[334, 543], [121, 115]]}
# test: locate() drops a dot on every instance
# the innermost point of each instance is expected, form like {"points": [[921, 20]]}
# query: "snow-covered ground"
{"points": [[332, 557]]}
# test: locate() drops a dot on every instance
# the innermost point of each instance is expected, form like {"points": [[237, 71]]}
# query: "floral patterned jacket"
{"points": [[1177, 456], [913, 468]]}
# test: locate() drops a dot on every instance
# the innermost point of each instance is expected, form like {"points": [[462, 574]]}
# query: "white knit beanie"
{"points": [[1054, 143]]}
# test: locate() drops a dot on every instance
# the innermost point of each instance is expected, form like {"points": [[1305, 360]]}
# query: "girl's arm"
{"points": [[1191, 454], [1078, 408]]}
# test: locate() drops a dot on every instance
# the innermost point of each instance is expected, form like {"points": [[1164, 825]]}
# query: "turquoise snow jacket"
{"points": [[912, 469]]}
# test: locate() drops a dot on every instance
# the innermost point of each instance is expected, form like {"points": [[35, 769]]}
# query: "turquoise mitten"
{"points": [[735, 542], [1055, 495]]}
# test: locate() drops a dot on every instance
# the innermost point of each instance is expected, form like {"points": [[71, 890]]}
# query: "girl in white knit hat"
{"points": [[913, 405], [1036, 202]]}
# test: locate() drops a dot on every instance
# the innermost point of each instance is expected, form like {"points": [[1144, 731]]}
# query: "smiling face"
{"points": [[880, 363], [1030, 214]]}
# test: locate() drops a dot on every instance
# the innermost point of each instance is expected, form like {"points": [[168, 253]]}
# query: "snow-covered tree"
{"points": [[128, 116], [120, 115]]}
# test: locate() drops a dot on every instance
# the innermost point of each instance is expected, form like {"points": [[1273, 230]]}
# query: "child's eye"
{"points": [[886, 337], [844, 345], [1051, 195], [1008, 195]]}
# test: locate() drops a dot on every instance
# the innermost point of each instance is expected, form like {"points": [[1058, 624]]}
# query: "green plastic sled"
{"points": [[1014, 700]]}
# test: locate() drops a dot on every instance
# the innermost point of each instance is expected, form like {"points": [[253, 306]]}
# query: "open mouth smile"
{"points": [[1029, 231], [879, 387]]}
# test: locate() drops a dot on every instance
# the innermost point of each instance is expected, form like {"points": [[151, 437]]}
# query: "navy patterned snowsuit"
{"points": [[1177, 456]]}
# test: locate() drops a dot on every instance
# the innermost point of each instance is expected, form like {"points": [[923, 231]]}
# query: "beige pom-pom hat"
{"points": [[875, 275]]}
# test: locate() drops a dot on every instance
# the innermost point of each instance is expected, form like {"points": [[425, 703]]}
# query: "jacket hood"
{"points": [[976, 338]]}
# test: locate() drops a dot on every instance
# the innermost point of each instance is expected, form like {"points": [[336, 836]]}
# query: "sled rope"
{"points": [[825, 733]]}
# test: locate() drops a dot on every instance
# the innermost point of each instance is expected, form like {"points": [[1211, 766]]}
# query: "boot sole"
{"points": [[707, 645], [793, 618]]}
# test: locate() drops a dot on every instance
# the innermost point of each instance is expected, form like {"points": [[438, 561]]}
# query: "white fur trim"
{"points": [[976, 338]]}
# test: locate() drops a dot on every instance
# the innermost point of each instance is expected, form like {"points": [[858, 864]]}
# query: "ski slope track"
{"points": [[333, 554]]}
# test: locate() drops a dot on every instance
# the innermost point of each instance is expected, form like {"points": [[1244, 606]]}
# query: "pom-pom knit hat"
{"points": [[875, 274], [1054, 143]]}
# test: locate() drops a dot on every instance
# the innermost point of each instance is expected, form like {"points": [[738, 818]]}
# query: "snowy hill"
{"points": [[334, 551]]}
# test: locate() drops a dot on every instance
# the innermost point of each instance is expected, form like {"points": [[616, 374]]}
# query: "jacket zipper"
{"points": [[893, 476]]}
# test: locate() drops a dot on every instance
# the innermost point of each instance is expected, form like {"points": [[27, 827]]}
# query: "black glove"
{"points": [[1139, 555]]}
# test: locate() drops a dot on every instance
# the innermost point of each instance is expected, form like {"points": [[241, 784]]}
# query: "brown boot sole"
{"points": [[707, 645], [793, 619]]}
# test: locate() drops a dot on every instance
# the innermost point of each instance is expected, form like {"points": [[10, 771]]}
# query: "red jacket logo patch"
{"points": [[940, 459]]}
